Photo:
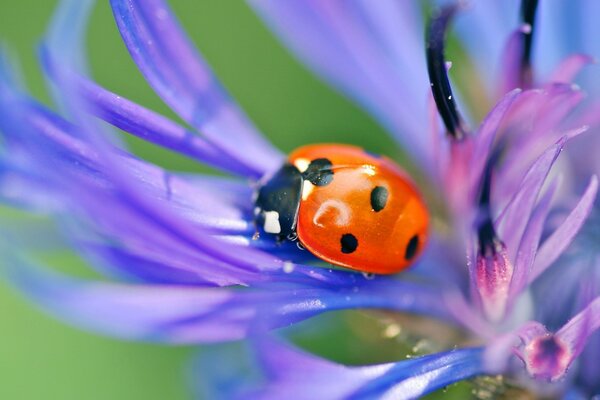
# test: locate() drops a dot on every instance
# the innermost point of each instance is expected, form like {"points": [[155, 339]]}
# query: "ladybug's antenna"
{"points": [[528, 12], [438, 73]]}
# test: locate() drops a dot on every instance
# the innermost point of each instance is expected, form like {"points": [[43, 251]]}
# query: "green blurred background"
{"points": [[42, 358]]}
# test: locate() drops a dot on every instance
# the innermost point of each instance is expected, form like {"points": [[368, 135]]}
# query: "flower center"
{"points": [[547, 357], [493, 269]]}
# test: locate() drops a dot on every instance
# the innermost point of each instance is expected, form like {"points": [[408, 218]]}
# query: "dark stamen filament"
{"points": [[438, 74], [489, 243], [528, 11]]}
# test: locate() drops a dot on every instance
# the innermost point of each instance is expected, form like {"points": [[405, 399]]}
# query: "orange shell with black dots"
{"points": [[358, 210]]}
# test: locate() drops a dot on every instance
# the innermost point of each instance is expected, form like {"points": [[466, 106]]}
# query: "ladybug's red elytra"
{"points": [[346, 206]]}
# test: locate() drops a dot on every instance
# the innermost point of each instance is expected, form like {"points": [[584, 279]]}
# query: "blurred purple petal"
{"points": [[514, 218], [560, 239], [179, 75], [127, 311], [588, 364], [86, 181], [487, 133], [187, 314], [152, 127], [568, 69], [367, 52], [529, 244], [196, 200], [291, 371], [549, 356], [579, 328], [535, 122], [499, 350], [65, 35], [510, 75], [143, 264]]}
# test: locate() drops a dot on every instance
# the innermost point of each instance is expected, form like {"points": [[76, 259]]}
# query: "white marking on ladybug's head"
{"points": [[302, 164], [272, 222], [307, 189], [332, 208]]}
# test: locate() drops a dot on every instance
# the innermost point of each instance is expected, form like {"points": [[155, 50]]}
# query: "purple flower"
{"points": [[180, 250]]}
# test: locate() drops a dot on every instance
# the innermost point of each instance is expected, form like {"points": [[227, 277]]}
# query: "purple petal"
{"points": [[291, 371], [514, 218], [22, 188], [566, 274], [185, 314], [89, 181], [66, 33], [467, 314], [202, 201], [133, 312], [588, 363], [487, 133], [568, 69], [499, 351], [154, 128], [143, 264], [575, 394], [576, 332], [370, 53], [560, 239], [548, 356], [134, 222], [552, 45], [529, 245], [183, 80], [485, 27], [510, 76], [222, 372], [536, 121], [97, 181], [561, 101]]}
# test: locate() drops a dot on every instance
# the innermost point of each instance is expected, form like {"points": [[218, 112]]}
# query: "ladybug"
{"points": [[346, 206]]}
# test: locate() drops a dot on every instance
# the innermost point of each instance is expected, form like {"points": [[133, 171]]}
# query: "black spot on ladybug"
{"points": [[379, 196], [349, 243], [411, 248], [319, 172]]}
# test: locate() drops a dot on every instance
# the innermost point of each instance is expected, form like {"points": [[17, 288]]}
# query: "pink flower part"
{"points": [[547, 357], [493, 273]]}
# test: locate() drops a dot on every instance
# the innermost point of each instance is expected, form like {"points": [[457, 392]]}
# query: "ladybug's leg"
{"points": [[292, 237]]}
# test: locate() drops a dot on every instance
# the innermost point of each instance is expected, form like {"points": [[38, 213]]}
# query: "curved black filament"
{"points": [[528, 12], [438, 73], [489, 242]]}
